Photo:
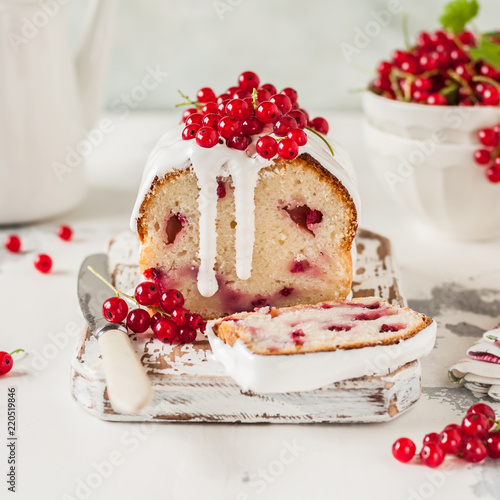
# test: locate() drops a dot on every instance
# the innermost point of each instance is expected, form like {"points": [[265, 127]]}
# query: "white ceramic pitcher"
{"points": [[49, 100]]}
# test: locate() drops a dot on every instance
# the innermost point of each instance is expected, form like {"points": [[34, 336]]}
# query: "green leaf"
{"points": [[488, 52], [458, 13]]}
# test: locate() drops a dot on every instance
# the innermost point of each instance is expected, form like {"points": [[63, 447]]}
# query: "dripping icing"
{"points": [[172, 152]]}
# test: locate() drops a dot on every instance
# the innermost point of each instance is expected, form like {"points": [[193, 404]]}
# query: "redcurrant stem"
{"points": [[486, 80], [104, 280], [461, 81], [118, 293], [322, 138], [16, 351], [254, 99], [188, 102], [406, 37]]}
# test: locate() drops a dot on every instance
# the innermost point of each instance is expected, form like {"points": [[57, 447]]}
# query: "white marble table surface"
{"points": [[65, 453]]}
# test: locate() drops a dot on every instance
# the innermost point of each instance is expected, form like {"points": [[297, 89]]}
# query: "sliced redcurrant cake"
{"points": [[263, 217], [327, 326]]}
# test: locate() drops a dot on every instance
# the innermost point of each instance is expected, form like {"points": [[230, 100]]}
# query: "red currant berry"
{"points": [[420, 95], [291, 94], [491, 96], [189, 132], [13, 243], [467, 38], [186, 335], [180, 316], [453, 427], [429, 62], [283, 124], [451, 441], [238, 109], [211, 120], [252, 126], [240, 142], [299, 136], [437, 99], [488, 137], [320, 125], [195, 118], [423, 84], [207, 137], [482, 157], [424, 41], [270, 88], [147, 293], [206, 94], [462, 71], [493, 444], [188, 113], [6, 363], [165, 330], [248, 81], [138, 320], [493, 174], [476, 424], [114, 310], [43, 263], [410, 66], [263, 95], [432, 454], [283, 103], [229, 127], [299, 117], [242, 94], [64, 232], [267, 147], [267, 112], [474, 450], [403, 449], [288, 149], [483, 409], [156, 316], [210, 107], [384, 69], [171, 299], [432, 437], [221, 108], [196, 322]]}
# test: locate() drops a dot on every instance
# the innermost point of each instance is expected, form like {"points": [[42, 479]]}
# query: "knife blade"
{"points": [[129, 388]]}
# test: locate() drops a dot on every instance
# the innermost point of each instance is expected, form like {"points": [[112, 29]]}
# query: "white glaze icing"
{"points": [[308, 372], [172, 152]]}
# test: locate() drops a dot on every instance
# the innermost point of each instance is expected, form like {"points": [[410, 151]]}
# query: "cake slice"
{"points": [[304, 348], [327, 326]]}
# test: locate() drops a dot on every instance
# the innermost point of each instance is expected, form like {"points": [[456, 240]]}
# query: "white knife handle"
{"points": [[129, 388]]}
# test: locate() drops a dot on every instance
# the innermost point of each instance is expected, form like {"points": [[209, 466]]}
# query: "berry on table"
{"points": [[482, 157], [43, 263], [476, 424], [186, 335], [13, 243], [196, 322], [179, 316], [483, 409], [6, 363], [114, 310], [432, 454], [432, 437], [493, 444], [403, 449], [65, 232], [474, 450], [493, 174]]}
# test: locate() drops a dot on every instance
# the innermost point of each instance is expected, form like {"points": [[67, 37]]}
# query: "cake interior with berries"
{"points": [[247, 205], [310, 346]]}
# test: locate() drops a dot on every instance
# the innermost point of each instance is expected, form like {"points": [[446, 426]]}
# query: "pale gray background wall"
{"points": [[289, 42]]}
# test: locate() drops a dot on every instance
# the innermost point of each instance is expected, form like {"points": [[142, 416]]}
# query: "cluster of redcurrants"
{"points": [[170, 323], [6, 361], [476, 438], [489, 156], [439, 70], [247, 110], [42, 262]]}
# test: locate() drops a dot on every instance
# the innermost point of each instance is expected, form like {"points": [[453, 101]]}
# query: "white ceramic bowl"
{"points": [[441, 183], [454, 124]]}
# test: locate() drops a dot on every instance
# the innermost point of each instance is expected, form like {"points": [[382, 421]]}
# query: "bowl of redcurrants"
{"points": [[432, 125]]}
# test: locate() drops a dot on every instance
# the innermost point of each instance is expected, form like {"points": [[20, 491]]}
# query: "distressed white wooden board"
{"points": [[189, 385]]}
